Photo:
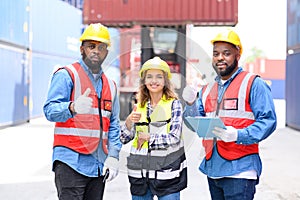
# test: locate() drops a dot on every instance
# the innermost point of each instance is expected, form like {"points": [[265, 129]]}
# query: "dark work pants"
{"points": [[71, 185]]}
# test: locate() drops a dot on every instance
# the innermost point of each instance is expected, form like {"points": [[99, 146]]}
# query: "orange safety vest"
{"points": [[83, 132], [234, 110]]}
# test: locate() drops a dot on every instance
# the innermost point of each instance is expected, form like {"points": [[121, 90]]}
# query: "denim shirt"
{"points": [[263, 108], [56, 109]]}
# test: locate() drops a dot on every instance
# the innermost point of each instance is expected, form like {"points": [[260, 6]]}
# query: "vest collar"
{"points": [[218, 78]]}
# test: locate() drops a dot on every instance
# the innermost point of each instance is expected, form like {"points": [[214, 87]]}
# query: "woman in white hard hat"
{"points": [[157, 162]]}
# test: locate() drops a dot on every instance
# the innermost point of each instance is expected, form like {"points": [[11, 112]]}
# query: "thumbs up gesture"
{"points": [[134, 115], [83, 103]]}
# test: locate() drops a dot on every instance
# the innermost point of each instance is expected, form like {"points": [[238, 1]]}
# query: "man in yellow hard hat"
{"points": [[243, 101], [84, 104]]}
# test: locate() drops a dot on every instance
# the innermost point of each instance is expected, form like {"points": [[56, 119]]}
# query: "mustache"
{"points": [[96, 56], [221, 63]]}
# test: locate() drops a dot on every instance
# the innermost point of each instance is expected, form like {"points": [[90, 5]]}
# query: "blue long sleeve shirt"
{"points": [[56, 109], [262, 105]]}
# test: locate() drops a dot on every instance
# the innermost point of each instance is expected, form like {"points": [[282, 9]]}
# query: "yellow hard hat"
{"points": [[229, 36], [156, 63], [96, 32]]}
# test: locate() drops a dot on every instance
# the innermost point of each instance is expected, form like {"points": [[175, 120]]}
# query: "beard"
{"points": [[229, 69], [94, 66]]}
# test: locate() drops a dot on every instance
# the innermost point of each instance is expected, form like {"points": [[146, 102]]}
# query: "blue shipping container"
{"points": [[29, 51], [293, 91], [14, 86], [14, 22], [277, 88], [56, 28]]}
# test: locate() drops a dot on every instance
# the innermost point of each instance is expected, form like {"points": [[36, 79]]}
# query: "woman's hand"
{"points": [[142, 138], [133, 117]]}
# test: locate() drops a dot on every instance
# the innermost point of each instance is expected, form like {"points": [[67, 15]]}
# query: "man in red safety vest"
{"points": [[84, 104], [243, 101]]}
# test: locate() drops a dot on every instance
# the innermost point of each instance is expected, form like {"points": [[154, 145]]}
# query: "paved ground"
{"points": [[25, 169]]}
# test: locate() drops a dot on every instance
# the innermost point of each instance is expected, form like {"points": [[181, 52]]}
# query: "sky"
{"points": [[261, 24]]}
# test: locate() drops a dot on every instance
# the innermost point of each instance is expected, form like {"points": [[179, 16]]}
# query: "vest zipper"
{"points": [[148, 164]]}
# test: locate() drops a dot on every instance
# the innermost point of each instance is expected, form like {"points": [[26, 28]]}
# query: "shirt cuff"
{"points": [[191, 110]]}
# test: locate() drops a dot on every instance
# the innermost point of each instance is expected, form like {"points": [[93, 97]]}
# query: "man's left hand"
{"points": [[230, 134], [111, 164]]}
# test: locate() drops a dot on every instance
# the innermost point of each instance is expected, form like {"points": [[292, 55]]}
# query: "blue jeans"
{"points": [[232, 188], [149, 196]]}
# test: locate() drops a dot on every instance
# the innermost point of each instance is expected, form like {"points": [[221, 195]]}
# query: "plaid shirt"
{"points": [[159, 141]]}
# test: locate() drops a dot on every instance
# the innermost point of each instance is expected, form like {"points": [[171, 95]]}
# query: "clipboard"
{"points": [[203, 126]]}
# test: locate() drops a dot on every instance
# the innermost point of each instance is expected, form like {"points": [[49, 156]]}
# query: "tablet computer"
{"points": [[203, 126]]}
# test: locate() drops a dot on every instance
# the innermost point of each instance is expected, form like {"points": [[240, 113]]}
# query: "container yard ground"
{"points": [[25, 170]]}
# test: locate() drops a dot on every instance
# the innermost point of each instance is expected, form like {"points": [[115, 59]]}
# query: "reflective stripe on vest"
{"points": [[159, 161], [234, 111], [166, 108], [82, 132], [160, 175]]}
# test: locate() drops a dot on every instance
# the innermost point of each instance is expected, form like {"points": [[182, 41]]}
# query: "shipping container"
{"points": [[111, 64], [14, 44], [14, 22], [56, 28], [35, 37], [130, 57], [267, 69], [293, 22], [293, 91], [277, 88], [292, 65], [122, 13], [14, 86]]}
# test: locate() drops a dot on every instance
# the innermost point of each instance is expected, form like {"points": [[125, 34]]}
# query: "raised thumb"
{"points": [[134, 107], [87, 92]]}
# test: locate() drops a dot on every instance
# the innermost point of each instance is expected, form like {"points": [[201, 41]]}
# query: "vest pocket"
{"points": [[138, 186]]}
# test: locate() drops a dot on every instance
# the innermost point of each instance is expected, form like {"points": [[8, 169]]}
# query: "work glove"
{"points": [[230, 134], [83, 103], [189, 94], [112, 165]]}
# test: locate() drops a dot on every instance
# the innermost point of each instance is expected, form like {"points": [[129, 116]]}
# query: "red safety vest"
{"points": [[234, 110], [82, 133]]}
